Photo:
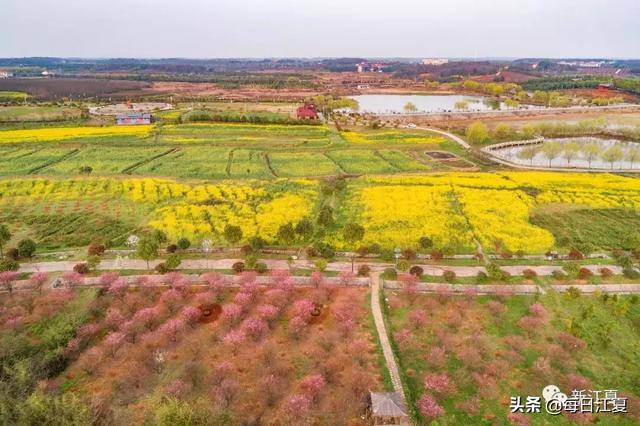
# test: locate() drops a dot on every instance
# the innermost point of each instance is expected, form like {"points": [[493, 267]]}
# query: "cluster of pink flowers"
{"points": [[418, 318], [190, 315], [234, 339], [231, 312], [255, 327], [268, 312], [347, 278], [312, 385], [113, 342], [172, 328], [438, 383], [429, 408], [304, 309], [107, 278], [297, 406], [118, 288]]}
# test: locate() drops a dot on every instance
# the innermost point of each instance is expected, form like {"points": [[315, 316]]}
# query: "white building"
{"points": [[435, 61]]}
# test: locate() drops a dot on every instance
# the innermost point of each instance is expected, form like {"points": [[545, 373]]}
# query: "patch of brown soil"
{"points": [[210, 312]]}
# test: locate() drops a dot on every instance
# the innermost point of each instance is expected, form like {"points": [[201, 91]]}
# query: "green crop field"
{"points": [[247, 135], [361, 161], [302, 164], [26, 161], [204, 162], [37, 113], [402, 160], [105, 160], [8, 96], [248, 164]]}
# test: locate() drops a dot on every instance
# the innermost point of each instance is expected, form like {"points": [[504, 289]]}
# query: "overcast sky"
{"points": [[313, 28]]}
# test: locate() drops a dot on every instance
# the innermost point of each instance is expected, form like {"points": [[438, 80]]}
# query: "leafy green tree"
{"points": [[160, 236], [232, 233], [528, 131], [410, 107], [5, 236], [633, 155], [353, 232], [325, 216], [41, 409], [551, 150], [528, 153], [286, 234], [304, 228], [503, 132], [461, 105], [590, 152], [425, 242], [571, 150], [477, 133], [147, 250], [183, 243], [26, 248], [173, 261], [257, 242], [612, 155]]}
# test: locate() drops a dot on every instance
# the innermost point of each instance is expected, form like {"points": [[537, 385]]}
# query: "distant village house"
{"points": [[133, 118], [435, 61], [307, 112]]}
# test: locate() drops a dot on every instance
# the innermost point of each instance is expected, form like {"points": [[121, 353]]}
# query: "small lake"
{"points": [[580, 159], [394, 104]]}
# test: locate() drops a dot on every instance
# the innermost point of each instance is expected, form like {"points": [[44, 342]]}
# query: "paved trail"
{"points": [[191, 264], [451, 136], [389, 357]]}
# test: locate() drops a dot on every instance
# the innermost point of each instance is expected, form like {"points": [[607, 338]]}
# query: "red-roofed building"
{"points": [[307, 112]]}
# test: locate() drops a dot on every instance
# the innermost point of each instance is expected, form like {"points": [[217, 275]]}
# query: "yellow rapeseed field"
{"points": [[456, 210], [64, 133]]}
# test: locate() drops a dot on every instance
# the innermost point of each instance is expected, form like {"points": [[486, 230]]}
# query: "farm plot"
{"points": [[465, 358], [302, 356], [302, 164], [361, 161], [51, 134], [402, 161], [26, 161], [37, 113], [204, 162], [244, 134], [393, 137], [247, 163], [105, 160]]}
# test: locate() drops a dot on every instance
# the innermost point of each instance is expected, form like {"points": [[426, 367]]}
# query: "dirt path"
{"points": [[381, 329]]}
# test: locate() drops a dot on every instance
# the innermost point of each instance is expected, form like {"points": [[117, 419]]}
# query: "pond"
{"points": [[581, 152], [394, 104]]}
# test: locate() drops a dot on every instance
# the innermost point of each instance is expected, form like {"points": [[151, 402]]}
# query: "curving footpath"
{"points": [[451, 136], [381, 329]]}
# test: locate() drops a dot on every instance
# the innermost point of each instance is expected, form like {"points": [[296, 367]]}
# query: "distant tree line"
{"points": [[631, 85], [257, 117]]}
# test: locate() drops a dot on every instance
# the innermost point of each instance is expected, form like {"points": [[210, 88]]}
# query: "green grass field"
{"points": [[37, 113], [599, 228], [8, 96]]}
